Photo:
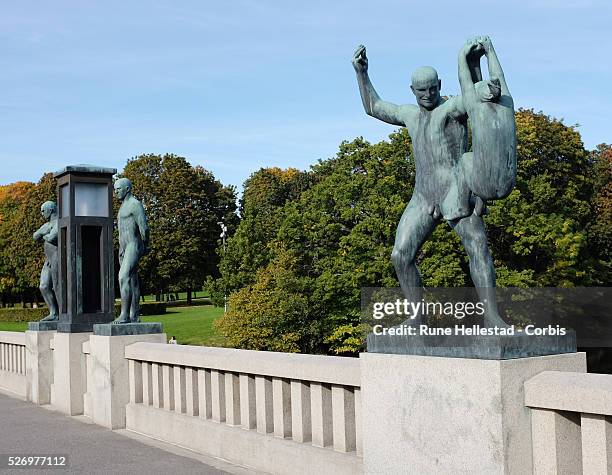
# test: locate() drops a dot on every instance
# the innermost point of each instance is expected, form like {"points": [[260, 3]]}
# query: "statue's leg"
{"points": [[54, 268], [135, 305], [413, 229], [473, 235], [46, 289], [127, 269]]}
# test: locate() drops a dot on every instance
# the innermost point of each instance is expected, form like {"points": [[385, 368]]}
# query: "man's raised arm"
{"points": [[372, 103], [495, 69], [466, 70]]}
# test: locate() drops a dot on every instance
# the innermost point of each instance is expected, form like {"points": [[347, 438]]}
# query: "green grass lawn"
{"points": [[190, 325], [13, 326]]}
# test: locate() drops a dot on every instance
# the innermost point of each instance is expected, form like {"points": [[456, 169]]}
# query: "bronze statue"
{"points": [[50, 271], [133, 244], [445, 170], [490, 170]]}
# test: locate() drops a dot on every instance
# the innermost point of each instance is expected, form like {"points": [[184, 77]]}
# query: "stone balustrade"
{"points": [[294, 413], [13, 362], [571, 416], [277, 412]]}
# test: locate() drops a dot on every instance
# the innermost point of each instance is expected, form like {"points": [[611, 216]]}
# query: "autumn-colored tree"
{"points": [[22, 257]]}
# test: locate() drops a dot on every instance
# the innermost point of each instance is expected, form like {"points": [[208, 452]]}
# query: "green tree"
{"points": [[340, 231], [600, 227], [537, 234], [265, 193], [272, 313]]}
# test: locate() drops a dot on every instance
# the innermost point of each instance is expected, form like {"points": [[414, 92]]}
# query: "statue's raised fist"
{"points": [[360, 60]]}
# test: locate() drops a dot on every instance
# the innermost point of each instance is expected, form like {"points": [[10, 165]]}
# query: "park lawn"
{"points": [[13, 326], [190, 325]]}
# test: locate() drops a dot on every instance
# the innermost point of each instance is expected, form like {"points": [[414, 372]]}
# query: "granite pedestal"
{"points": [[43, 326], [69, 373], [107, 369], [39, 365], [432, 415], [125, 329]]}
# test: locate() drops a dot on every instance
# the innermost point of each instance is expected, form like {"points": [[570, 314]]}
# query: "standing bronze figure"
{"points": [[451, 183], [133, 244], [50, 271]]}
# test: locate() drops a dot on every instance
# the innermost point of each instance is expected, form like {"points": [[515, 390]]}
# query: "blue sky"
{"points": [[235, 86]]}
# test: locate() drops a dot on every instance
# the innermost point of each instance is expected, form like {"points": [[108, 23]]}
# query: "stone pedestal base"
{"points": [[122, 329], [39, 365], [108, 390], [431, 415], [69, 376], [42, 326], [489, 347]]}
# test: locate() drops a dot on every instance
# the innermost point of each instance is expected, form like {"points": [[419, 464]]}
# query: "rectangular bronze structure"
{"points": [[87, 290]]}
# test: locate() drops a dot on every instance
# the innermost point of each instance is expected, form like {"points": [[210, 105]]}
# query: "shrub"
{"points": [[16, 314]]}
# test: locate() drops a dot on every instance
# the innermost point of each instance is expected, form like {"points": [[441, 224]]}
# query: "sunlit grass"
{"points": [[190, 325]]}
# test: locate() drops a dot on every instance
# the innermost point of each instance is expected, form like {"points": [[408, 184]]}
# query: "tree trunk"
{"points": [[189, 300]]}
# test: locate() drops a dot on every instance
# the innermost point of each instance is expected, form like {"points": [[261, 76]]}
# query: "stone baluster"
{"points": [[281, 407], [135, 381], [147, 384], [596, 432], [180, 396], [156, 379], [343, 416], [321, 407], [217, 379], [232, 399], [168, 387], [248, 408], [205, 393], [263, 399], [192, 392], [301, 425]]}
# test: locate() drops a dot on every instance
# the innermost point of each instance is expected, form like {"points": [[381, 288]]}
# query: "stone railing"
{"points": [[13, 362], [571, 417], [276, 412]]}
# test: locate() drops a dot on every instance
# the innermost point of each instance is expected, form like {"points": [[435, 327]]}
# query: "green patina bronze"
{"points": [[49, 275], [452, 183], [133, 244]]}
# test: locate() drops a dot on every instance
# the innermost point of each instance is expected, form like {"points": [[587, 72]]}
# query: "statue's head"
{"points": [[48, 209], [123, 186], [488, 91], [426, 87]]}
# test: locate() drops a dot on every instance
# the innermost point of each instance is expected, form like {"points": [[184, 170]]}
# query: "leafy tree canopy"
{"points": [[339, 232]]}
